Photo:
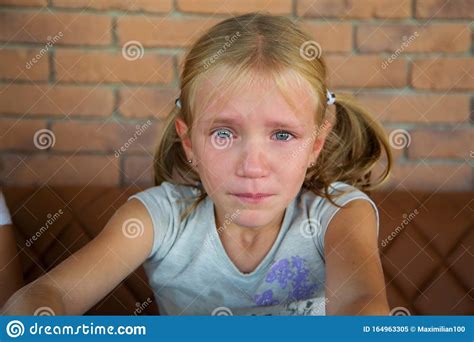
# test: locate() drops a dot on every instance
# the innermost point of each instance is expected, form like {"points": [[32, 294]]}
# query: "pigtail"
{"points": [[351, 150]]}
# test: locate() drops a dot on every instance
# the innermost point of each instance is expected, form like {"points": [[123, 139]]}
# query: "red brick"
{"points": [[365, 71], [24, 2], [147, 102], [108, 67], [331, 37], [452, 9], [161, 6], [360, 9], [449, 143], [418, 108], [86, 136], [106, 137], [57, 28], [443, 73], [278, 7], [138, 170], [429, 177], [18, 134], [55, 100], [168, 32], [13, 65], [414, 38], [59, 170]]}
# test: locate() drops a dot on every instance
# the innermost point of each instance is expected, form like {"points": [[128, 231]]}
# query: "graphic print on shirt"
{"points": [[288, 274]]}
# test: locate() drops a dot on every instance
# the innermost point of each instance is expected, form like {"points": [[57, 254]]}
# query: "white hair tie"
{"points": [[5, 217], [331, 97]]}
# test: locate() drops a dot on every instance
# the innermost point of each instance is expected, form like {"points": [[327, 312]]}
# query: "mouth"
{"points": [[252, 198]]}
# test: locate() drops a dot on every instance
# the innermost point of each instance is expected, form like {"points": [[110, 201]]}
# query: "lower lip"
{"points": [[252, 199]]}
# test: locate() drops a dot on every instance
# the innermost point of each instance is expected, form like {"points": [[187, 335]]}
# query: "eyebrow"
{"points": [[270, 123]]}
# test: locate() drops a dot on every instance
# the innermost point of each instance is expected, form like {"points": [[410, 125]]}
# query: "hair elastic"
{"points": [[331, 97]]}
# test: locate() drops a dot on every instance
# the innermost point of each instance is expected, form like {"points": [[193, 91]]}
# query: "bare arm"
{"points": [[11, 273], [80, 281], [354, 278]]}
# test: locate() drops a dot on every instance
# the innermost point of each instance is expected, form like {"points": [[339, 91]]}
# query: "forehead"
{"points": [[288, 101]]}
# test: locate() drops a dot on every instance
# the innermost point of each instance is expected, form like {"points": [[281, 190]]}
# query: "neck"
{"points": [[247, 235]]}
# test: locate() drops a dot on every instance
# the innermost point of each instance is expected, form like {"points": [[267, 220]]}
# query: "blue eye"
{"points": [[227, 134], [284, 134], [217, 131]]}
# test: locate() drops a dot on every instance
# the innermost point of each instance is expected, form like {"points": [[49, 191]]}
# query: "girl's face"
{"points": [[257, 144]]}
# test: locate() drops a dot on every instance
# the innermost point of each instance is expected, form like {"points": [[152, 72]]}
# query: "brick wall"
{"points": [[64, 80]]}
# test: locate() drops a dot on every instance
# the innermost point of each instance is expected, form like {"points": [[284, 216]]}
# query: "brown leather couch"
{"points": [[426, 243]]}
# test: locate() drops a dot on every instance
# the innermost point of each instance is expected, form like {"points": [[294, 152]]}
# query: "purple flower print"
{"points": [[285, 272], [266, 298], [281, 272]]}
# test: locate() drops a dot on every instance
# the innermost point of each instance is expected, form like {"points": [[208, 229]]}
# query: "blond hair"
{"points": [[260, 44]]}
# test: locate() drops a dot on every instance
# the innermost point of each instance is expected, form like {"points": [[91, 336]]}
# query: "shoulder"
{"points": [[164, 204], [357, 220], [351, 205]]}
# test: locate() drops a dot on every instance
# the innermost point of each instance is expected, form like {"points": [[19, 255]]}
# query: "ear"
{"points": [[182, 131]]}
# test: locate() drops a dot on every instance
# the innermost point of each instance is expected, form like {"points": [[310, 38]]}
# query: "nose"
{"points": [[253, 162]]}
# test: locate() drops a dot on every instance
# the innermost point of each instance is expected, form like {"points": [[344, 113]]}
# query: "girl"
{"points": [[259, 206]]}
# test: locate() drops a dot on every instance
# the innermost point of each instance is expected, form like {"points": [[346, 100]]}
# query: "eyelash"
{"points": [[279, 131]]}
